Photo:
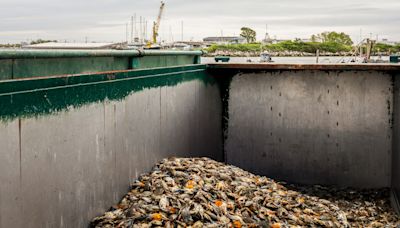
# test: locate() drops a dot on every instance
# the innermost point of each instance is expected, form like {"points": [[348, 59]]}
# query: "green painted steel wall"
{"points": [[26, 64], [46, 95], [5, 69], [163, 61], [24, 68], [71, 145]]}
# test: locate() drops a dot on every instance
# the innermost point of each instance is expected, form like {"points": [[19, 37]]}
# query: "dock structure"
{"points": [[73, 46]]}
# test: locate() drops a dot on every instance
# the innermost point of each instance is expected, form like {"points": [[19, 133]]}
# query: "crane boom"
{"points": [[156, 25]]}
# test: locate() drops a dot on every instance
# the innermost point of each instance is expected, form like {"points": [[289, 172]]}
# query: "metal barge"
{"points": [[77, 126]]}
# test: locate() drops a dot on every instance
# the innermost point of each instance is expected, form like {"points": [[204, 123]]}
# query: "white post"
{"points": [[135, 28], [127, 32], [140, 31], [131, 30], [182, 31]]}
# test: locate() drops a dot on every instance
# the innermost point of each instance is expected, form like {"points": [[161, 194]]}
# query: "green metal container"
{"points": [[223, 59], [394, 59]]}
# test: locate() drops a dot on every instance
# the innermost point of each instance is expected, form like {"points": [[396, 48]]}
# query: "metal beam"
{"points": [[23, 54]]}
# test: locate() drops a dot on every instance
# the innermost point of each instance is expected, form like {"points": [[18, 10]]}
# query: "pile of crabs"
{"points": [[200, 192]]}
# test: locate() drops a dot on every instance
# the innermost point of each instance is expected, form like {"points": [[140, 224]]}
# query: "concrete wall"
{"points": [[62, 169], [312, 126], [396, 146], [94, 134]]}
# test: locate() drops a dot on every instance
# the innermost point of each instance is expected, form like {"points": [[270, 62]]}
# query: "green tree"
{"points": [[334, 47], [40, 41], [314, 38], [333, 37], [249, 34]]}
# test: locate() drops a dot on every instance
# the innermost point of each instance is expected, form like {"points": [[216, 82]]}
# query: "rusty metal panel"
{"points": [[313, 127]]}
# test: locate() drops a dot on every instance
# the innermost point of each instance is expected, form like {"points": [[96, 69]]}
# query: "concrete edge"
{"points": [[275, 66]]}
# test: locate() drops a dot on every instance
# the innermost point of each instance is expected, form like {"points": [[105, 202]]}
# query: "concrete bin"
{"points": [[71, 144]]}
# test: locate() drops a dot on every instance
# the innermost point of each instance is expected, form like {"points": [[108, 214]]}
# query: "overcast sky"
{"points": [[105, 20]]}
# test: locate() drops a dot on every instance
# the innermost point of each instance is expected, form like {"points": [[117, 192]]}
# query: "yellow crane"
{"points": [[156, 25]]}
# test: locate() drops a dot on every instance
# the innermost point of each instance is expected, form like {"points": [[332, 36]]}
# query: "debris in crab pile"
{"points": [[200, 192], [367, 208]]}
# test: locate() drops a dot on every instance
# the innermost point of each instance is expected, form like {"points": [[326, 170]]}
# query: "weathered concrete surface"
{"points": [[396, 146], [10, 180], [313, 127], [71, 166]]}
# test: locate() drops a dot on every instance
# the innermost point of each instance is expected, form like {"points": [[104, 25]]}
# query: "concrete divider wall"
{"points": [[311, 126], [70, 145], [396, 146], [62, 166]]}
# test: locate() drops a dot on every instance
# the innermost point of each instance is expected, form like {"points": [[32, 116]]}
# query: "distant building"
{"points": [[192, 44], [85, 46], [306, 40], [272, 40], [276, 41], [388, 42], [225, 40]]}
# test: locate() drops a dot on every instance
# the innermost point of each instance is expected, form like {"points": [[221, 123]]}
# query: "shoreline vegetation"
{"points": [[328, 43], [296, 49]]}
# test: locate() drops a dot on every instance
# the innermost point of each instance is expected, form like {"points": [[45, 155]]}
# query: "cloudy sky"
{"points": [[105, 20]]}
